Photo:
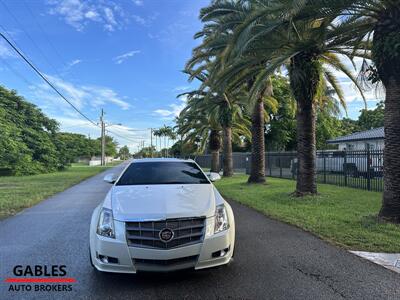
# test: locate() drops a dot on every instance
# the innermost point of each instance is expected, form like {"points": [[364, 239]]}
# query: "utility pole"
{"points": [[151, 142], [103, 139]]}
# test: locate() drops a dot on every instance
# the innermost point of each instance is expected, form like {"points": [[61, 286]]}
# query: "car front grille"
{"points": [[165, 264], [145, 234]]}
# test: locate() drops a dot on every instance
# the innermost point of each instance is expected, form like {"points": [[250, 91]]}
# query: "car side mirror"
{"points": [[214, 176], [110, 178]]}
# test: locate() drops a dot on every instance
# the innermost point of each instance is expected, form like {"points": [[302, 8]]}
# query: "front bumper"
{"points": [[214, 250]]}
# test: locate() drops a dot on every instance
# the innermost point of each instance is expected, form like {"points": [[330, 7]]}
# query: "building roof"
{"points": [[372, 134]]}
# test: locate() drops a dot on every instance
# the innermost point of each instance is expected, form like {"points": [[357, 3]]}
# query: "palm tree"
{"points": [[222, 113], [221, 18], [276, 34], [195, 123], [162, 133], [375, 25]]}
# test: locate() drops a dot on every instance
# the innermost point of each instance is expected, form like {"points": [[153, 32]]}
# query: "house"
{"points": [[374, 138]]}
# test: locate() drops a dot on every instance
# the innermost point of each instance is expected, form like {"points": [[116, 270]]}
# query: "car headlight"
{"points": [[221, 219], [105, 227]]}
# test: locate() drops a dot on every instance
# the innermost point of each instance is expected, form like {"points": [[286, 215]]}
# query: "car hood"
{"points": [[159, 202]]}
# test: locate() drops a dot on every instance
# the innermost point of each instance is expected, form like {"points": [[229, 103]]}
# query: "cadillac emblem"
{"points": [[166, 235]]}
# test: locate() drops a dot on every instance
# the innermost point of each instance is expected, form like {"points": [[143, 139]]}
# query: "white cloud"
{"points": [[139, 19], [138, 2], [109, 16], [145, 21], [121, 58], [181, 88], [74, 62], [173, 111], [79, 13], [92, 15], [102, 95], [85, 96], [132, 137], [351, 93]]}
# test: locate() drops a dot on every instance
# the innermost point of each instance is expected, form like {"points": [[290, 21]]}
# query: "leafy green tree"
{"points": [[27, 136], [146, 152], [349, 126], [123, 152], [373, 118], [71, 146], [281, 128], [183, 148], [111, 146]]}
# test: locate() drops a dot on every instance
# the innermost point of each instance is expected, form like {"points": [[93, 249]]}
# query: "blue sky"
{"points": [[123, 56]]}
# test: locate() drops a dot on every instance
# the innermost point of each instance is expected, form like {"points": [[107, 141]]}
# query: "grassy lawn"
{"points": [[343, 216], [17, 193]]}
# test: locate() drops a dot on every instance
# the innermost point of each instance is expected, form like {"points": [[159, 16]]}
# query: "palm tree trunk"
{"points": [[306, 149], [257, 167], [390, 210], [214, 145], [215, 161], [387, 61], [227, 152], [304, 74]]}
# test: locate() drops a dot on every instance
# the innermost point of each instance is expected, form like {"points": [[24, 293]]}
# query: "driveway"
{"points": [[272, 260]]}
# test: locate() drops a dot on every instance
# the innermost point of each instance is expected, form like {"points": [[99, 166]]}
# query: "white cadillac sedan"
{"points": [[161, 215]]}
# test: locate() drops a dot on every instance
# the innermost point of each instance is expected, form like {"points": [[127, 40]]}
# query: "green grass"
{"points": [[343, 216], [19, 192]]}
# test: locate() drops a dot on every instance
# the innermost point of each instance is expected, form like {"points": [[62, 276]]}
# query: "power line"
{"points": [[123, 137], [40, 74], [45, 79], [46, 36], [29, 37]]}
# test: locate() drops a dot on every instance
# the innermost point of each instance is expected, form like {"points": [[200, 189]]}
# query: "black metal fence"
{"points": [[357, 169]]}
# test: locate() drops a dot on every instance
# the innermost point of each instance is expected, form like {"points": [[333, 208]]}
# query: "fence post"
{"points": [[368, 168], [324, 158], [269, 164], [280, 167], [345, 167]]}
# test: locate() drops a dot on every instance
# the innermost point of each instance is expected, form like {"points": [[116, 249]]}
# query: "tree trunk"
{"points": [[390, 210], [215, 145], [304, 74], [306, 150], [257, 167], [387, 61], [215, 161], [227, 152]]}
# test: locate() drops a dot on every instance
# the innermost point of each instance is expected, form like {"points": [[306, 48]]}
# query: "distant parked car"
{"points": [[161, 215]]}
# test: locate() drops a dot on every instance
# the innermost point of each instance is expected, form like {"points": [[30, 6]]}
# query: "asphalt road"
{"points": [[272, 260]]}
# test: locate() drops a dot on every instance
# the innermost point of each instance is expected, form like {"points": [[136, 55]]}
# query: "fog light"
{"points": [[220, 253], [103, 259], [107, 259]]}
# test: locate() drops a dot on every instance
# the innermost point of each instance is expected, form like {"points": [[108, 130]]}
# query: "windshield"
{"points": [[162, 173]]}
